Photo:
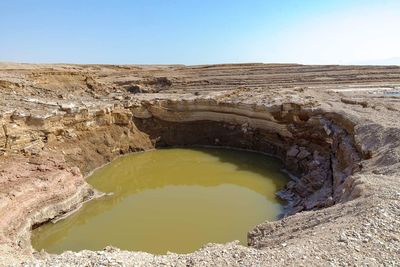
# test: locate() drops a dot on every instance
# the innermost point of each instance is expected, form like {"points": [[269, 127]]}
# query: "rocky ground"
{"points": [[336, 128]]}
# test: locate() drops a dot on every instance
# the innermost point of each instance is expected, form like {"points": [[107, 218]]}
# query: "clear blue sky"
{"points": [[199, 31]]}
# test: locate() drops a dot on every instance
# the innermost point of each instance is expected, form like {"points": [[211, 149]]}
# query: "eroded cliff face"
{"points": [[317, 146], [330, 145], [45, 159]]}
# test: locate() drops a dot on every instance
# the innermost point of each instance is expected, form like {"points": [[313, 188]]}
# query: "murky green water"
{"points": [[171, 200]]}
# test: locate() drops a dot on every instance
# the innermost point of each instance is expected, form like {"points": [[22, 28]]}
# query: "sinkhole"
{"points": [[174, 199]]}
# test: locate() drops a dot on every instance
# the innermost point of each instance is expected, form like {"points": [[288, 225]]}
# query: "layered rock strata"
{"points": [[60, 122]]}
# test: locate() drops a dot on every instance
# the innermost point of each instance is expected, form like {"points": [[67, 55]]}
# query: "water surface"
{"points": [[171, 200]]}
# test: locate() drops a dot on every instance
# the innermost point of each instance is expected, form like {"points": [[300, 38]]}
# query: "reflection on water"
{"points": [[171, 200]]}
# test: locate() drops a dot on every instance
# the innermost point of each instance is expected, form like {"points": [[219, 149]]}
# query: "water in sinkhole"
{"points": [[171, 200]]}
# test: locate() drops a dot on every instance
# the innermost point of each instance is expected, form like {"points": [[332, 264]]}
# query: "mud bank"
{"points": [[342, 201]]}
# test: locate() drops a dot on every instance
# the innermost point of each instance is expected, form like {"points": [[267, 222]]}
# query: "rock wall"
{"points": [[317, 146], [44, 160]]}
